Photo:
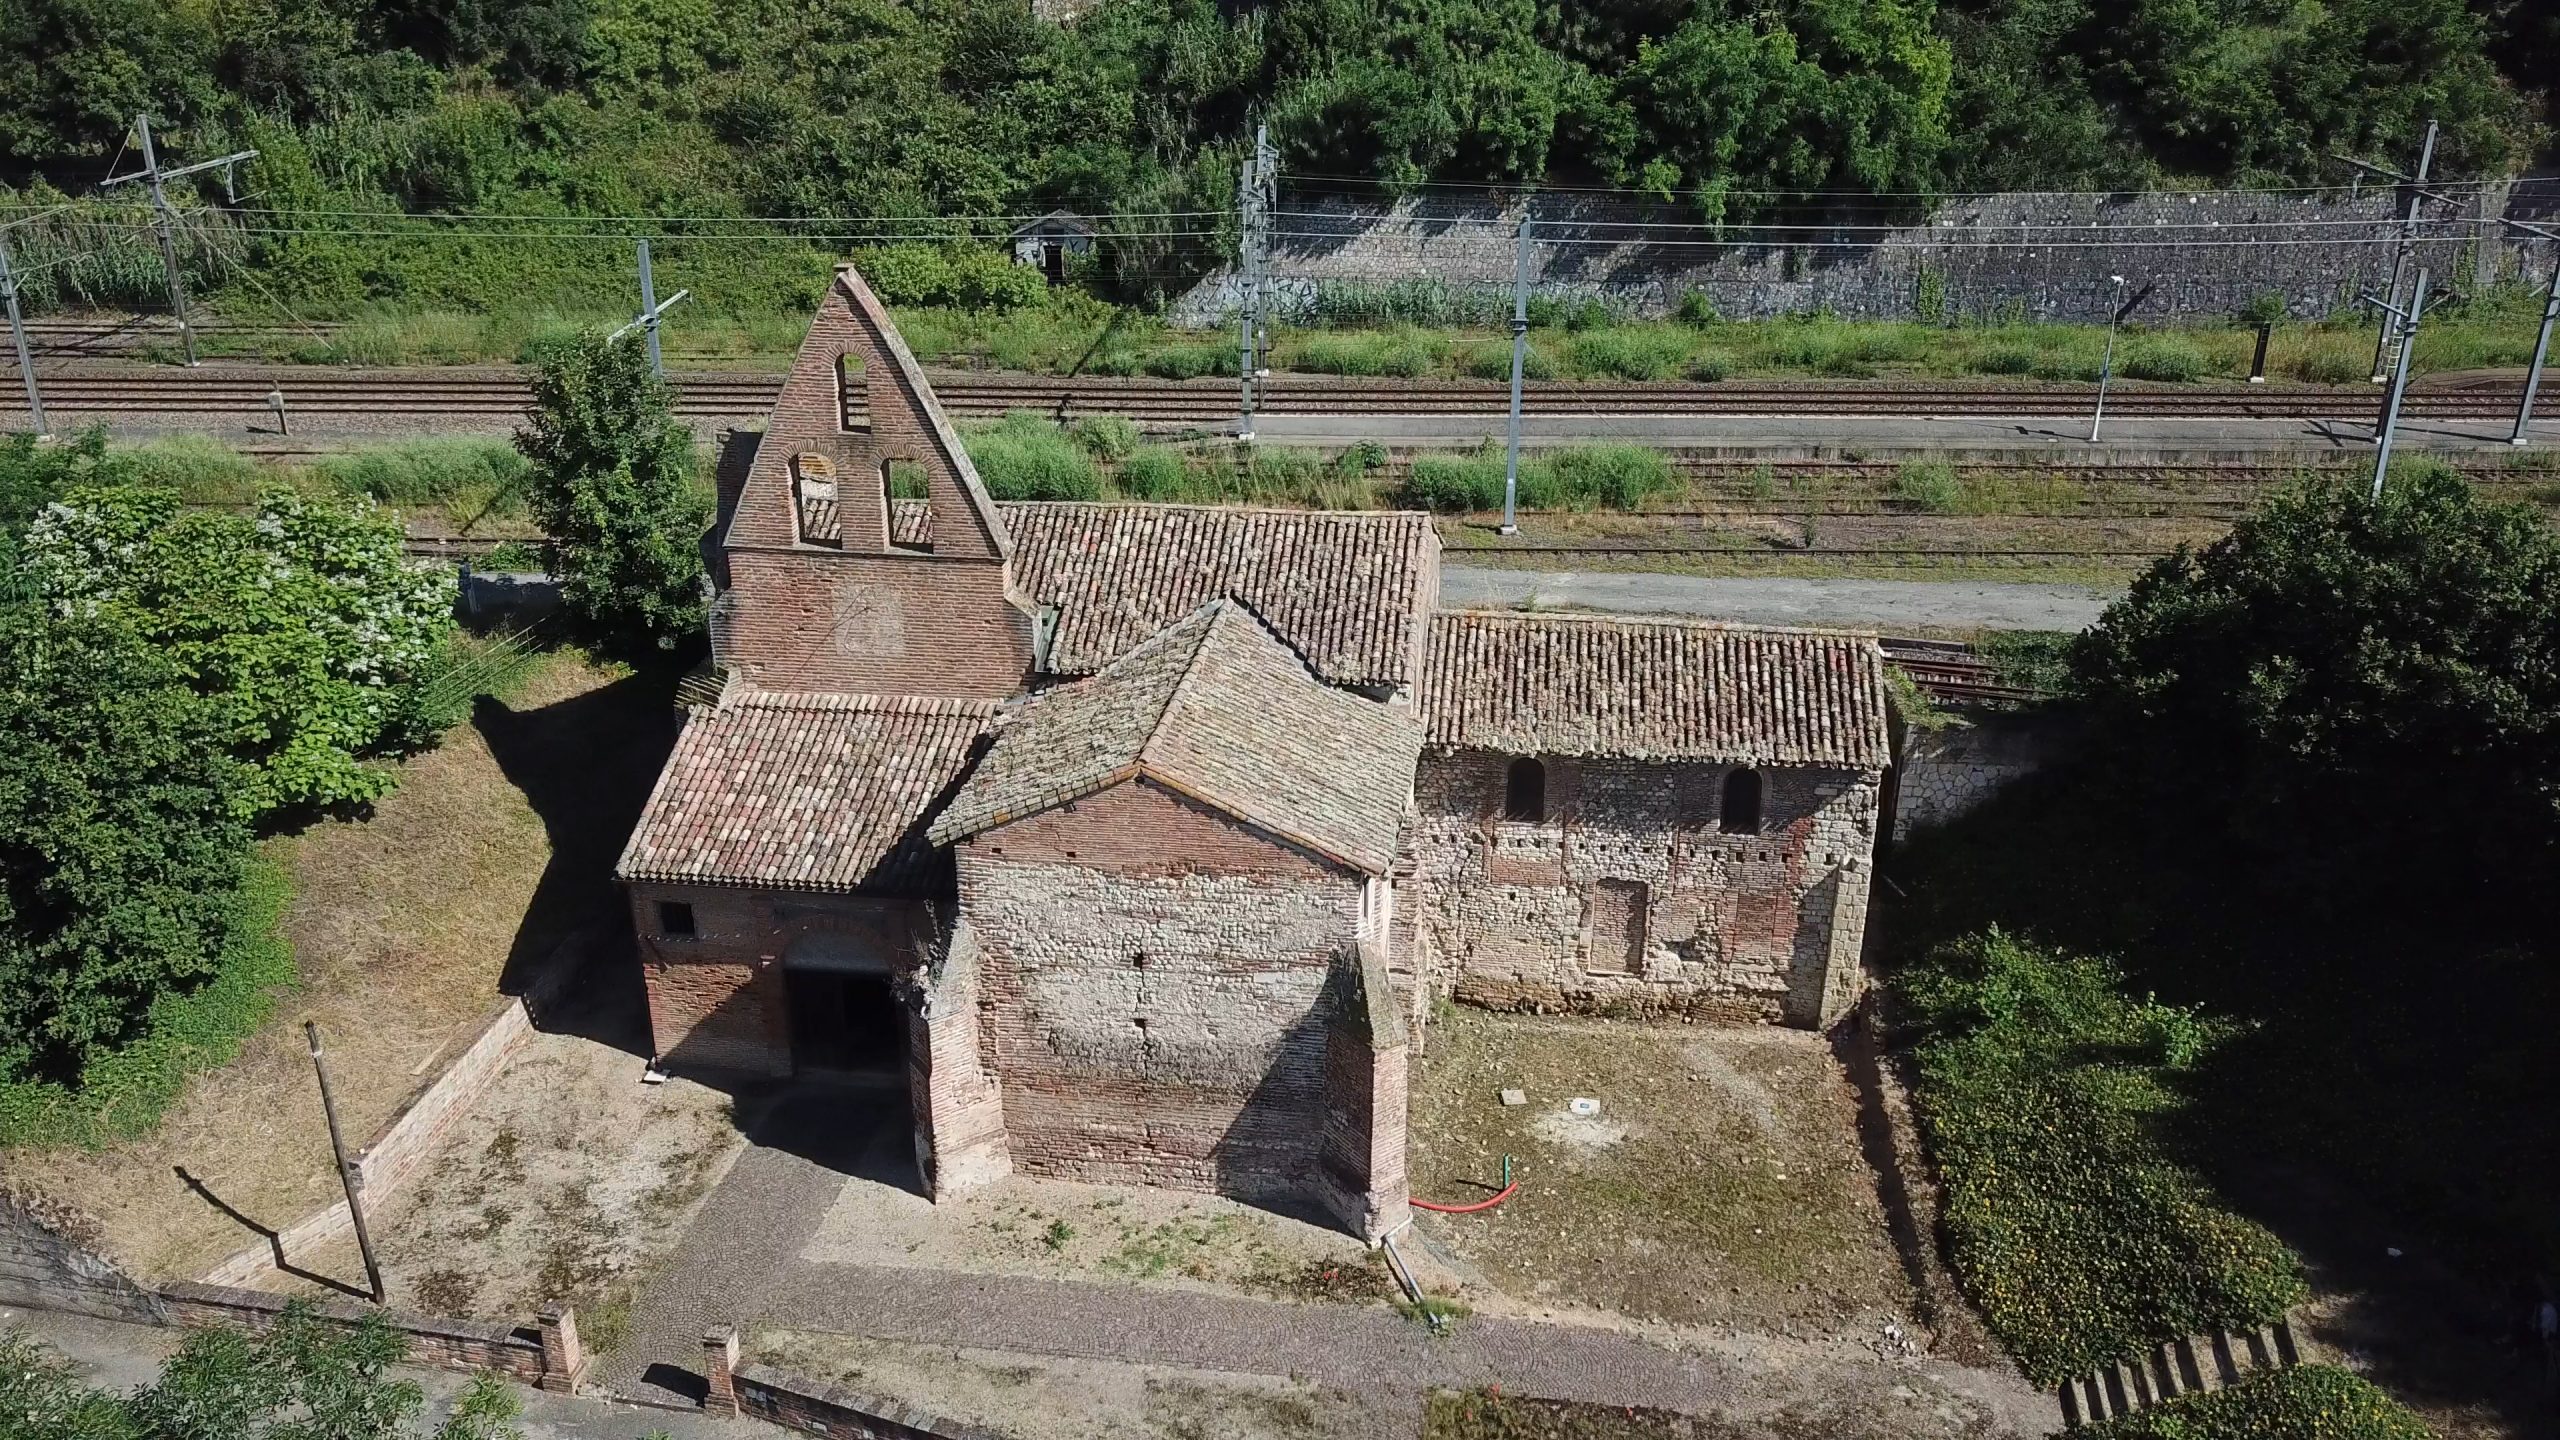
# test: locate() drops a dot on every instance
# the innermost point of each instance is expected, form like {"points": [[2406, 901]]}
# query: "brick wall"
{"points": [[1763, 927], [854, 614], [815, 1408], [1154, 1026], [49, 1260], [717, 1000]]}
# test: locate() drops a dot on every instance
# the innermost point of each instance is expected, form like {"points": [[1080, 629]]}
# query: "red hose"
{"points": [[1467, 1209]]}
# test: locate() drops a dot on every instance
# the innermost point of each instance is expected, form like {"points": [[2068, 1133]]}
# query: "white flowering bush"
{"points": [[302, 624]]}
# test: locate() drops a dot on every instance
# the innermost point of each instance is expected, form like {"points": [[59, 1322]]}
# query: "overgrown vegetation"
{"points": [[305, 1378], [2303, 1402], [2043, 1087]]}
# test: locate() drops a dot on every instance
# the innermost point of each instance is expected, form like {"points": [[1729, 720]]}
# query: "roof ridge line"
{"points": [[1215, 610]]}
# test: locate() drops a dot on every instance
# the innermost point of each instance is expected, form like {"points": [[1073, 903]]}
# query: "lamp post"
{"points": [[2107, 362]]}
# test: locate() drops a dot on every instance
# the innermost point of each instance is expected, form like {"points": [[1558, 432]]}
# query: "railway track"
{"points": [[1949, 670], [714, 395]]}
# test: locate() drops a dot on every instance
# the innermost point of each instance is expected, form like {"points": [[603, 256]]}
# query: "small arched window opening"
{"points": [[1741, 811], [1524, 791]]}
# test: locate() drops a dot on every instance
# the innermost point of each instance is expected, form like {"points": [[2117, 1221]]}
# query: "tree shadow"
{"points": [[585, 765]]}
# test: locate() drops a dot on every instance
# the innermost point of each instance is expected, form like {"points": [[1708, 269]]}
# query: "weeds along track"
{"points": [[492, 391]]}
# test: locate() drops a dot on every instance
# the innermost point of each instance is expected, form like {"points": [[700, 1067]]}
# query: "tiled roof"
{"points": [[804, 792], [1218, 708], [1346, 590], [1654, 690]]}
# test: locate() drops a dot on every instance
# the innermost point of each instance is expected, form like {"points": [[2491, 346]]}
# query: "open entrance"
{"points": [[845, 1017]]}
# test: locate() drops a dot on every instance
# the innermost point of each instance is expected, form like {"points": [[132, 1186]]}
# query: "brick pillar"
{"points": [[1363, 1180], [720, 1371], [959, 1112], [564, 1360]]}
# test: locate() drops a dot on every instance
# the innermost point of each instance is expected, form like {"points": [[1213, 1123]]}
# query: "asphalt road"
{"points": [[1863, 604]]}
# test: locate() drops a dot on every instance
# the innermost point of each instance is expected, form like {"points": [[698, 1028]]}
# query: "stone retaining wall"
{"points": [[2027, 254], [1946, 774], [817, 1409], [49, 1260]]}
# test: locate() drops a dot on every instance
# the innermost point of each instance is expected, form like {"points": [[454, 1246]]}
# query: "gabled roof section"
{"points": [[853, 366], [804, 792], [1348, 590], [1217, 708], [1603, 686]]}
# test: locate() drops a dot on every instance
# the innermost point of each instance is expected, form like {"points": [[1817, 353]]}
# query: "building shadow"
{"points": [[860, 1128]]}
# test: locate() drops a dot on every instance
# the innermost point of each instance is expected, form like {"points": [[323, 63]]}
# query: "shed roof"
{"points": [[804, 792], [1655, 689], [1219, 709]]}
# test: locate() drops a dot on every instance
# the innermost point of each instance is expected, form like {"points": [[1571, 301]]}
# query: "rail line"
{"points": [[712, 394]]}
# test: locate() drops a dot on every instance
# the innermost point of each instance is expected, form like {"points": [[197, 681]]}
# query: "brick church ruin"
{"points": [[1140, 838]]}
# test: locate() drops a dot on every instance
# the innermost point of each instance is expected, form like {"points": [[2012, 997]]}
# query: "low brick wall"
{"points": [[448, 1344], [815, 1409]]}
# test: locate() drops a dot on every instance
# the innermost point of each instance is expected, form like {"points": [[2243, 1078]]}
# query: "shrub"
{"points": [[1024, 457], [1189, 362], [430, 472], [1696, 307], [970, 277], [2162, 357], [1493, 362], [1454, 484], [1932, 485], [1630, 354], [1403, 354], [2005, 360], [1623, 476], [1708, 367], [2330, 360], [2303, 1402], [1108, 438], [2044, 1090], [1154, 472], [2264, 308]]}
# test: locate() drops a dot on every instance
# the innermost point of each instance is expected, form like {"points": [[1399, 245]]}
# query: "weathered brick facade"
{"points": [[1158, 829]]}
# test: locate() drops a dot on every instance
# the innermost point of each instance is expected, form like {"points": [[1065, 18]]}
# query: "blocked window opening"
{"points": [[904, 493], [1524, 791], [1617, 909], [675, 918], [1741, 811], [853, 393]]}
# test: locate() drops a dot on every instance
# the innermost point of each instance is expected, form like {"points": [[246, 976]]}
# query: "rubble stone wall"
{"points": [[1628, 897]]}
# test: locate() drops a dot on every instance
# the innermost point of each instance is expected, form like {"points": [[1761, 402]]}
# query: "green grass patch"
{"points": [[2045, 1091], [125, 1093], [1024, 457], [2305, 1402], [484, 474]]}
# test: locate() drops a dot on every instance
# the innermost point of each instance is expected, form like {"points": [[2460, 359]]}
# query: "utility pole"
{"points": [[1254, 194], [2405, 320], [27, 364], [165, 218], [2408, 234], [2107, 360], [2532, 373], [1519, 363], [652, 311], [347, 1173]]}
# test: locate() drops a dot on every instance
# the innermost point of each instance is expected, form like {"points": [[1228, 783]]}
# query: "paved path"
{"points": [[1881, 604], [740, 1265]]}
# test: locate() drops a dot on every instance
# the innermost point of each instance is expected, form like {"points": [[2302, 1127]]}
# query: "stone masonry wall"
{"points": [[717, 1001], [1629, 897], [2023, 253], [1943, 775], [1153, 1027]]}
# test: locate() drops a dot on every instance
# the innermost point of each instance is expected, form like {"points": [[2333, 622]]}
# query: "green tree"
{"points": [[86, 67], [302, 624], [304, 1380], [2364, 693], [613, 485], [120, 842]]}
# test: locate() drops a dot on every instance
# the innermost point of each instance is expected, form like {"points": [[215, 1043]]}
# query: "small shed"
{"points": [[1049, 241]]}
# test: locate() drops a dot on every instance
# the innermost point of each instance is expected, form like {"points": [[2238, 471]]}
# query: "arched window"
{"points": [[1524, 791], [1741, 813]]}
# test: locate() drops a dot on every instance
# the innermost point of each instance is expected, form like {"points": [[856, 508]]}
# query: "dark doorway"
{"points": [[846, 1021]]}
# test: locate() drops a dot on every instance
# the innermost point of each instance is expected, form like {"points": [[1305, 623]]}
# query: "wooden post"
{"points": [[347, 1174]]}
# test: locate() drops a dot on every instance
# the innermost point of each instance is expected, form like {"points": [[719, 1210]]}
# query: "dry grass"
{"points": [[1721, 1183], [402, 926]]}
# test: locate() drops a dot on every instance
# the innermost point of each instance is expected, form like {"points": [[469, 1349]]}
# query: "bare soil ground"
{"points": [[1721, 1182], [561, 1186], [1040, 1398], [407, 927], [1060, 1229]]}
